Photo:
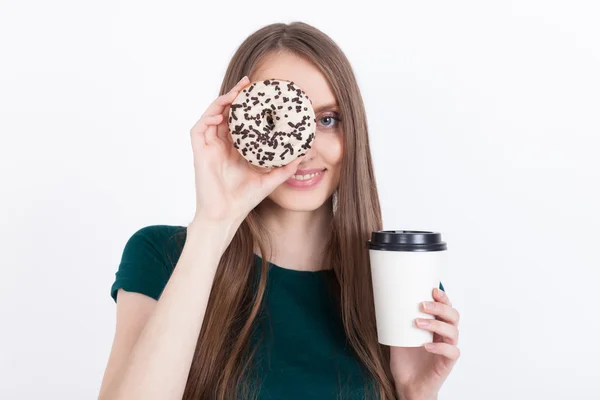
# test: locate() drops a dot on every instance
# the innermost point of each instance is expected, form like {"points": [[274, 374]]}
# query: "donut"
{"points": [[272, 123]]}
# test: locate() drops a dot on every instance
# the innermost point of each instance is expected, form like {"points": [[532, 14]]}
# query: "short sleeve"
{"points": [[142, 268]]}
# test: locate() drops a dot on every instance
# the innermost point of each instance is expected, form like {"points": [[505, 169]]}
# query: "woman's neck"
{"points": [[298, 238]]}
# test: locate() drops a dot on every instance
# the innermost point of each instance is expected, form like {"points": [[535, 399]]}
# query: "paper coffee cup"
{"points": [[405, 268]]}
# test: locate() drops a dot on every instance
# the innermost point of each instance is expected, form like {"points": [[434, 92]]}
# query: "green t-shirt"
{"points": [[304, 353]]}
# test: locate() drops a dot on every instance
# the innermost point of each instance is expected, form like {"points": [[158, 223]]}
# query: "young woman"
{"points": [[267, 293]]}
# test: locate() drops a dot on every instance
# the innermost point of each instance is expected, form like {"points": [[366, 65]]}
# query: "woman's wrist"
{"points": [[212, 236], [407, 395], [408, 391]]}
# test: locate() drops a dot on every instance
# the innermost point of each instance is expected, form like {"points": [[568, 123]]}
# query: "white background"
{"points": [[495, 108]]}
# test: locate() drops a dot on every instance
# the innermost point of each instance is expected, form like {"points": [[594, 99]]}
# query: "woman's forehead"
{"points": [[303, 73]]}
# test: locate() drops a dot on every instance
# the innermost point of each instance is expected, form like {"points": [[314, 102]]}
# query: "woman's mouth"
{"points": [[306, 179]]}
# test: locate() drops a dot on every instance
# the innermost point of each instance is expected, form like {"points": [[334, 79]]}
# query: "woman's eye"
{"points": [[329, 121]]}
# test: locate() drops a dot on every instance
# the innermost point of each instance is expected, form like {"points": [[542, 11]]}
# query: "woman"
{"points": [[267, 291]]}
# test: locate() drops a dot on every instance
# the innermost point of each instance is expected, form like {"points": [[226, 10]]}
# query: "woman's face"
{"points": [[303, 191]]}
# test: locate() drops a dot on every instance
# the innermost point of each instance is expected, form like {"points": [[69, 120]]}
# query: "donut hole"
{"points": [[270, 122]]}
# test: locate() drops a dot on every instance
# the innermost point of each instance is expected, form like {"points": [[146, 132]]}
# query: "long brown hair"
{"points": [[221, 362]]}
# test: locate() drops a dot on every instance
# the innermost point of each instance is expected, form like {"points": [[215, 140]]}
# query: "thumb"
{"points": [[277, 176]]}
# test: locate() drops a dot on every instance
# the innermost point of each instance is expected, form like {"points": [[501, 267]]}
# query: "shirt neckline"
{"points": [[280, 269]]}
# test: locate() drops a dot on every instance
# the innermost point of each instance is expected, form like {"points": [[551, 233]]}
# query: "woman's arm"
{"points": [[155, 340]]}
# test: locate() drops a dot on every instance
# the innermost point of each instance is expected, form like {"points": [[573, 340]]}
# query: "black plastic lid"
{"points": [[406, 241]]}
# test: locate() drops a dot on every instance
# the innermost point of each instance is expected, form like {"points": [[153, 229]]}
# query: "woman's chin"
{"points": [[298, 200]]}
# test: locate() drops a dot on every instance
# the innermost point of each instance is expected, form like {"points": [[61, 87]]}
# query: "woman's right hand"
{"points": [[227, 186]]}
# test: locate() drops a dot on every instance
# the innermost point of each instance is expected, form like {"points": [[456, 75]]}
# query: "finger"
{"points": [[447, 331], [441, 296], [223, 129], [444, 349], [277, 176], [203, 124], [240, 85], [218, 105], [444, 311], [211, 131]]}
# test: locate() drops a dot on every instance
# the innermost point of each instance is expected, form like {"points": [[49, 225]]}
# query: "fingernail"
{"points": [[428, 305], [440, 292], [423, 322], [234, 88]]}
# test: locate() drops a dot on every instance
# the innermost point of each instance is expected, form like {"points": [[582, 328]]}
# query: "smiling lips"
{"points": [[306, 179]]}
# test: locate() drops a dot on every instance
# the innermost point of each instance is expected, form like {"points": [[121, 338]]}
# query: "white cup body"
{"points": [[401, 281]]}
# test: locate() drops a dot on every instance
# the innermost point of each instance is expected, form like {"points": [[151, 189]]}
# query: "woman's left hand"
{"points": [[419, 372]]}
